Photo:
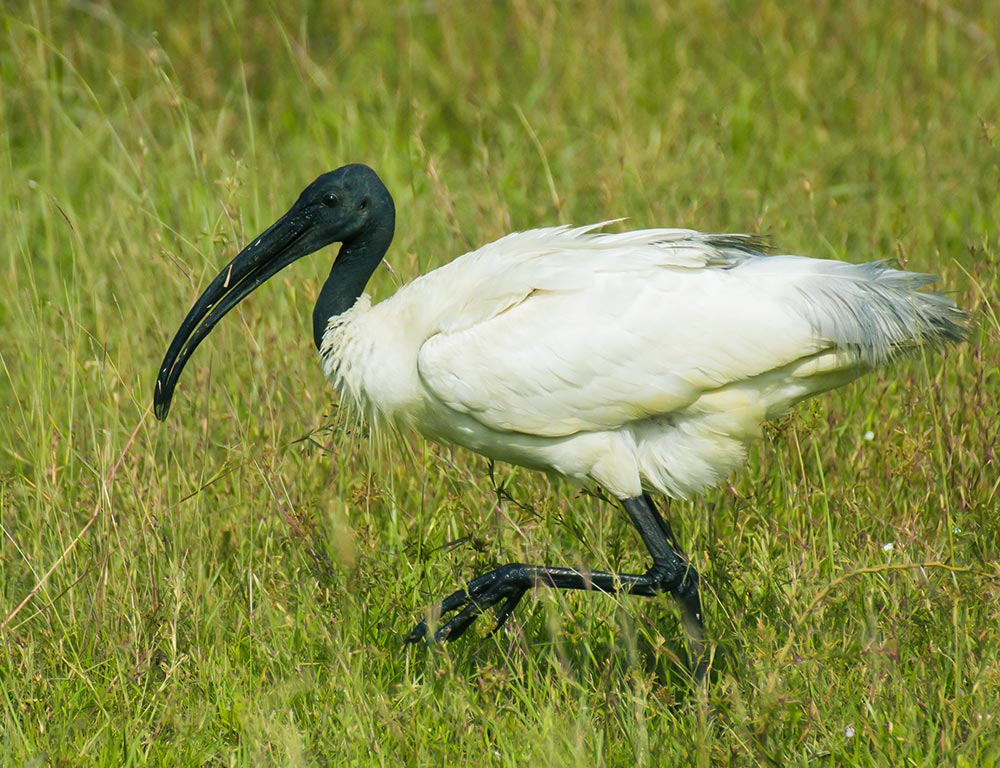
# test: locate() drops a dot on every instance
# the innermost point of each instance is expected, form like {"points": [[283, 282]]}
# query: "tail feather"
{"points": [[880, 312], [873, 310]]}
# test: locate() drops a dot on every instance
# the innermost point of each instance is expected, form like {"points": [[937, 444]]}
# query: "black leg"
{"points": [[505, 586], [678, 576]]}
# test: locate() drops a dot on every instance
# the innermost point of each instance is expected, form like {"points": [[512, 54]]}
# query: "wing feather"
{"points": [[574, 331], [624, 346]]}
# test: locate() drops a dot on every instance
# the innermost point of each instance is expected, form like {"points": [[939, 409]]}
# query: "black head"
{"points": [[349, 205], [343, 204]]}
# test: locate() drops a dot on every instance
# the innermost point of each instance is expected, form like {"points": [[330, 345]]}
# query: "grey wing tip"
{"points": [[937, 323], [752, 245], [950, 324]]}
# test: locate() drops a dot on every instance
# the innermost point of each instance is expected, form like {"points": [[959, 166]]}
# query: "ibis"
{"points": [[642, 361]]}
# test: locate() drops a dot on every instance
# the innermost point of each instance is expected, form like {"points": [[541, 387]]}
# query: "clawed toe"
{"points": [[504, 586], [502, 589], [417, 634]]}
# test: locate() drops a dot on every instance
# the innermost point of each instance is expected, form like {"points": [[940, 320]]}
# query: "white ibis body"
{"points": [[643, 361]]}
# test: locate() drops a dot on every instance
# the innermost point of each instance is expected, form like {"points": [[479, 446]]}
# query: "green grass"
{"points": [[231, 587]]}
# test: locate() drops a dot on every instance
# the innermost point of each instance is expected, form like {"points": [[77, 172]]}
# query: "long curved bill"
{"points": [[282, 243]]}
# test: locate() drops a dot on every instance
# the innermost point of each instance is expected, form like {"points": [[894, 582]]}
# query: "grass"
{"points": [[231, 587]]}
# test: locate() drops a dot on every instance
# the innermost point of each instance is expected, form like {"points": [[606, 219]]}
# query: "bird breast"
{"points": [[370, 358]]}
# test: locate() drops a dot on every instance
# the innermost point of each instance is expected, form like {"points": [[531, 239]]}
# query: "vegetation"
{"points": [[232, 587]]}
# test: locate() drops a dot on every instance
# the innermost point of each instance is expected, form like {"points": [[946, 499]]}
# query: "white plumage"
{"points": [[642, 361]]}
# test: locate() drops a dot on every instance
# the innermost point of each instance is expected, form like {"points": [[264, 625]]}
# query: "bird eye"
{"points": [[330, 200], [364, 204]]}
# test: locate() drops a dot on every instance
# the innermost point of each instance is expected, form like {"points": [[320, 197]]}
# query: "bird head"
{"points": [[350, 205], [338, 207]]}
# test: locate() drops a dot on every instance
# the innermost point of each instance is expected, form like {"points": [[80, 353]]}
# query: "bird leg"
{"points": [[504, 587], [679, 576]]}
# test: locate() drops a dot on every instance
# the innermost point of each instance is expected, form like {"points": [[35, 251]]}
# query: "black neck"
{"points": [[351, 271]]}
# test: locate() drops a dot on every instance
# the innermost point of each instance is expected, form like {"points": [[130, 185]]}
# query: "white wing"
{"points": [[604, 330]]}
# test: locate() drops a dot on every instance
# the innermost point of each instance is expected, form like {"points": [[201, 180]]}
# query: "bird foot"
{"points": [[688, 599], [503, 587]]}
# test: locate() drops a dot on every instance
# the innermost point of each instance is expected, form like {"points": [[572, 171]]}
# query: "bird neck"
{"points": [[351, 271]]}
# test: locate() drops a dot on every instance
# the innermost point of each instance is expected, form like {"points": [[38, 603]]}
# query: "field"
{"points": [[232, 586]]}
